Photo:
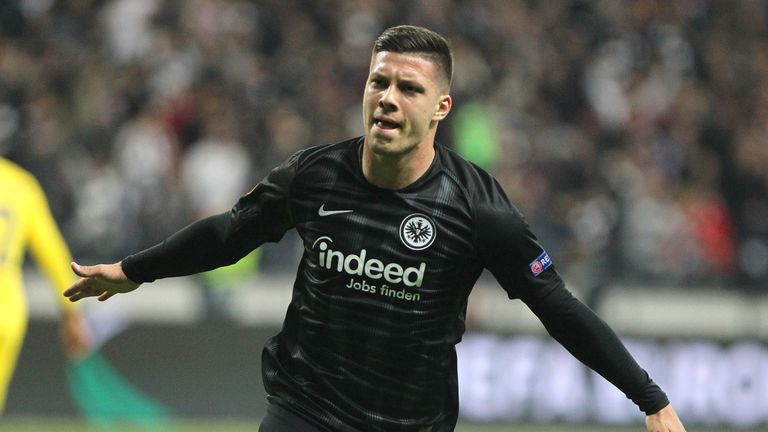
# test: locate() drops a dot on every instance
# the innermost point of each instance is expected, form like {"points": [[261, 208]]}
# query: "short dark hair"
{"points": [[419, 40]]}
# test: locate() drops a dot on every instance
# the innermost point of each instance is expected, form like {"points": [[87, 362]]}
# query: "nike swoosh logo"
{"points": [[323, 212]]}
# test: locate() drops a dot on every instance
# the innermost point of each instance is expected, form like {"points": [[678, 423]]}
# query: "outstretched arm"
{"points": [[588, 338], [102, 280], [510, 250], [201, 246], [595, 344], [216, 241]]}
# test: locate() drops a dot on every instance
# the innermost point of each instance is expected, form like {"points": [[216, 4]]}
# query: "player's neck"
{"points": [[397, 172]]}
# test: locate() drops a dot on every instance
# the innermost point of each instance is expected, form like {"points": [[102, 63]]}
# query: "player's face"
{"points": [[403, 102]]}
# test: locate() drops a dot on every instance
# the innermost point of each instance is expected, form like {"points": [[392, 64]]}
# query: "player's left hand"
{"points": [[75, 335], [665, 420]]}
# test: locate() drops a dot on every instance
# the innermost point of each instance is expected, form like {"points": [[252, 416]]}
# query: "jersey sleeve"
{"points": [[509, 249], [262, 215], [47, 246], [523, 268]]}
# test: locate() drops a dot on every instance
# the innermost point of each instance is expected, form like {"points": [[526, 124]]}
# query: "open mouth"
{"points": [[386, 124]]}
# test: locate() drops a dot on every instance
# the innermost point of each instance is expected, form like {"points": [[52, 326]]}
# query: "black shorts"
{"points": [[279, 419]]}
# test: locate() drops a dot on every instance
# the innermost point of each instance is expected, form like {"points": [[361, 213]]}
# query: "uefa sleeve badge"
{"points": [[540, 264]]}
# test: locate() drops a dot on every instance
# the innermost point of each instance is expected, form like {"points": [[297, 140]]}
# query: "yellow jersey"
{"points": [[26, 223]]}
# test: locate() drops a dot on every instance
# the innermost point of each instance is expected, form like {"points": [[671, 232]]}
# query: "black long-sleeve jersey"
{"points": [[381, 291]]}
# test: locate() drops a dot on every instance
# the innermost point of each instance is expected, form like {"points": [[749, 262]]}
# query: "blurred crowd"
{"points": [[633, 134]]}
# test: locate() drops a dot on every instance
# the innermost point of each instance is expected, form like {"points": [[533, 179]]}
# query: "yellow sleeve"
{"points": [[47, 245]]}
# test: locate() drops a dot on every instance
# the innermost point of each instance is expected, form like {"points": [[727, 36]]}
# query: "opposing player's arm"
{"points": [[45, 242], [50, 252]]}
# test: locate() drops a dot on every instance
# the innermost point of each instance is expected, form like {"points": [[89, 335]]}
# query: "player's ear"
{"points": [[443, 107]]}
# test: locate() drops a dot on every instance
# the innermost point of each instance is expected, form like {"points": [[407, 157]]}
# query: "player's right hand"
{"points": [[102, 281], [665, 420]]}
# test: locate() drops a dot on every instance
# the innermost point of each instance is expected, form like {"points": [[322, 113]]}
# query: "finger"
{"points": [[105, 296], [85, 271], [81, 295], [74, 297], [77, 268], [79, 286], [73, 289], [82, 289]]}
